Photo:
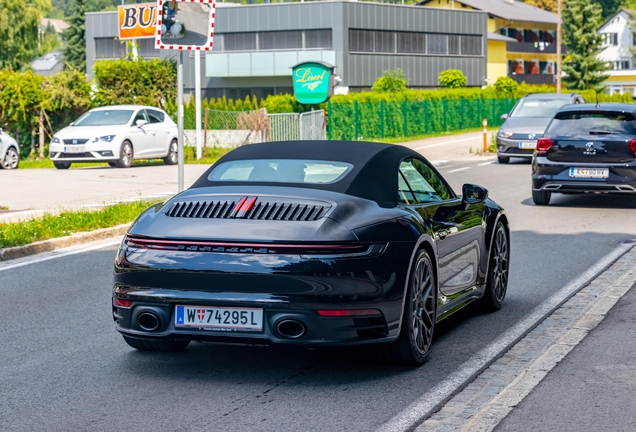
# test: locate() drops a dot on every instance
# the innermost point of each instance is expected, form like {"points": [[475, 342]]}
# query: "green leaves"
{"points": [[75, 37], [19, 31], [452, 78], [393, 81], [145, 82], [584, 69]]}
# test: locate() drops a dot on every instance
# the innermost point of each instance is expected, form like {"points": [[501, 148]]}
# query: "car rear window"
{"points": [[592, 123], [538, 108], [280, 171]]}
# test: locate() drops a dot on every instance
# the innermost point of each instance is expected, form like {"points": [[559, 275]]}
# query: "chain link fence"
{"points": [[376, 120]]}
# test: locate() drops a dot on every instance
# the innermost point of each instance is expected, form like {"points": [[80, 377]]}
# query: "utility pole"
{"points": [[180, 119], [558, 68]]}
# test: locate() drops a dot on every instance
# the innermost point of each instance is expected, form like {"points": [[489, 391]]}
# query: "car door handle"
{"points": [[154, 133]]}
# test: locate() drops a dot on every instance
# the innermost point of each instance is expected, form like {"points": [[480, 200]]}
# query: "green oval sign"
{"points": [[313, 82]]}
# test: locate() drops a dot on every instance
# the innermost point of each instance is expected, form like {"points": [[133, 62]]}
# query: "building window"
{"points": [[109, 48], [147, 48], [385, 42], [239, 41], [471, 45], [437, 44], [318, 39], [280, 40], [516, 67], [412, 43], [611, 39], [453, 44], [361, 40], [620, 65]]}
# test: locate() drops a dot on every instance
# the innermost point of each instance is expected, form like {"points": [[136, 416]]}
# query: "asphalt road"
{"points": [[65, 368]]}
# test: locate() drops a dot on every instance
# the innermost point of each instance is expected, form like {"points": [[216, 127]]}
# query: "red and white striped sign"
{"points": [[204, 33]]}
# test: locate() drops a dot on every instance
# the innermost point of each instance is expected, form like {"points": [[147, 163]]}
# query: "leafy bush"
{"points": [[506, 86], [452, 78], [393, 81], [144, 82]]}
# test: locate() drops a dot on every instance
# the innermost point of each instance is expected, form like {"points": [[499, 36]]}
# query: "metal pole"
{"points": [[485, 131], [197, 99], [180, 118], [558, 68]]}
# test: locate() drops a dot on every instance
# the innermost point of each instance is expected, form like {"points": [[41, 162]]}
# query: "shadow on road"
{"points": [[602, 201]]}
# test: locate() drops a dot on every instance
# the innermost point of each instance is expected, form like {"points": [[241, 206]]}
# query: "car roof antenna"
{"points": [[596, 94]]}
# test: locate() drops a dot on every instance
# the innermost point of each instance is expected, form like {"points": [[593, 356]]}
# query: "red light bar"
{"points": [[348, 312], [122, 303]]}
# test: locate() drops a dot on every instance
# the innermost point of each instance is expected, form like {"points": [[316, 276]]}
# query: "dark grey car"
{"points": [[527, 121]]}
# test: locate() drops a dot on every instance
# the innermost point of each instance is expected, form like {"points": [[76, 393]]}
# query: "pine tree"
{"points": [[584, 69], [75, 37], [549, 5]]}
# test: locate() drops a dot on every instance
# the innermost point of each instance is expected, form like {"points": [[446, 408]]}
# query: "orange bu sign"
{"points": [[137, 20]]}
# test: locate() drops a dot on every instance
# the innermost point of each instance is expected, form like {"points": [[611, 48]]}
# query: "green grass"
{"points": [[53, 226], [210, 155]]}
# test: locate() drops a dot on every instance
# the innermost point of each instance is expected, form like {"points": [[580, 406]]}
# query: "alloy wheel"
{"points": [[11, 159], [500, 265], [126, 154], [423, 305], [173, 152]]}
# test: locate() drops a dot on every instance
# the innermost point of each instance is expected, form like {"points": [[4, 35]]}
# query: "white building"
{"points": [[618, 38]]}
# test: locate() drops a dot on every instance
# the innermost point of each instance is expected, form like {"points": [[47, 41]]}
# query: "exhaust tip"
{"points": [[148, 321], [291, 329]]}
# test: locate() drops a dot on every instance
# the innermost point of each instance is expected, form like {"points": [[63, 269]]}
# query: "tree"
{"points": [[584, 69], [452, 78], [20, 31], [393, 81], [75, 37]]}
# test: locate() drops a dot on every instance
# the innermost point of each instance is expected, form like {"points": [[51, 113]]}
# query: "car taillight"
{"points": [[122, 303], [543, 145], [348, 312], [632, 146]]}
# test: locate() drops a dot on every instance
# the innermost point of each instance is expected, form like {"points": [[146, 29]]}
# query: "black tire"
{"points": [[418, 318], [498, 271], [503, 160], [541, 198], [112, 164], [126, 154], [159, 345], [173, 154], [11, 159], [62, 165]]}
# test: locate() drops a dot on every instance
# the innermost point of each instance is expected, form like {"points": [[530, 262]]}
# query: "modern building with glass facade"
{"points": [[255, 46]]}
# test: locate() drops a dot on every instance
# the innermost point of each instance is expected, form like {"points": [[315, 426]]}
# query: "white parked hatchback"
{"points": [[117, 135], [9, 152]]}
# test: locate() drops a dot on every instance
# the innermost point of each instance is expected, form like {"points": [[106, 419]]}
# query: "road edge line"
{"points": [[62, 242], [434, 399]]}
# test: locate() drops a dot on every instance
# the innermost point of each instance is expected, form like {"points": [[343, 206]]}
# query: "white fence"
{"points": [[294, 126]]}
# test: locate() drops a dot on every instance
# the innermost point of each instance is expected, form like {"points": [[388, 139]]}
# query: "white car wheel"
{"points": [[11, 159]]}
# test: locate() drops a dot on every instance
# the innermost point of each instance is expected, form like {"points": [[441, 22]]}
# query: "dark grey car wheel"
{"points": [[11, 159], [498, 270], [173, 154], [418, 319], [125, 155], [503, 160], [541, 198]]}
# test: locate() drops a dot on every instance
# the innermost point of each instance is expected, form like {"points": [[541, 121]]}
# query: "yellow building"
{"points": [[521, 38]]}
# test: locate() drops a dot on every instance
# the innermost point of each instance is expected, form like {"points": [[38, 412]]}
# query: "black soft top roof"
{"points": [[373, 176]]}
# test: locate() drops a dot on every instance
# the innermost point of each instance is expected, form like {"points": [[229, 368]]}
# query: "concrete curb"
{"points": [[61, 242]]}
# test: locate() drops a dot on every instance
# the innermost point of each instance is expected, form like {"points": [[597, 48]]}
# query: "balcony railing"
{"points": [[533, 78], [533, 47]]}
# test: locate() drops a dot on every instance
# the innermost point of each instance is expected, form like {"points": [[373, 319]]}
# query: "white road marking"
{"points": [[47, 256], [485, 163], [438, 162], [458, 169], [444, 143], [434, 399]]}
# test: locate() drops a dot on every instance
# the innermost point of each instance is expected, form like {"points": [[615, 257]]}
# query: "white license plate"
{"points": [[527, 145], [75, 149], [589, 172], [222, 318]]}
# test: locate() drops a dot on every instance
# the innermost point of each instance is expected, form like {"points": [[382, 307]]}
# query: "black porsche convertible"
{"points": [[311, 243]]}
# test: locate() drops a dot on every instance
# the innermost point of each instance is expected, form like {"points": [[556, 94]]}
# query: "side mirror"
{"points": [[140, 123], [504, 116], [473, 194], [71, 124]]}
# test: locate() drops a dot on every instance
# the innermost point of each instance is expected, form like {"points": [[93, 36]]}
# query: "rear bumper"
{"points": [[554, 177], [285, 287]]}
